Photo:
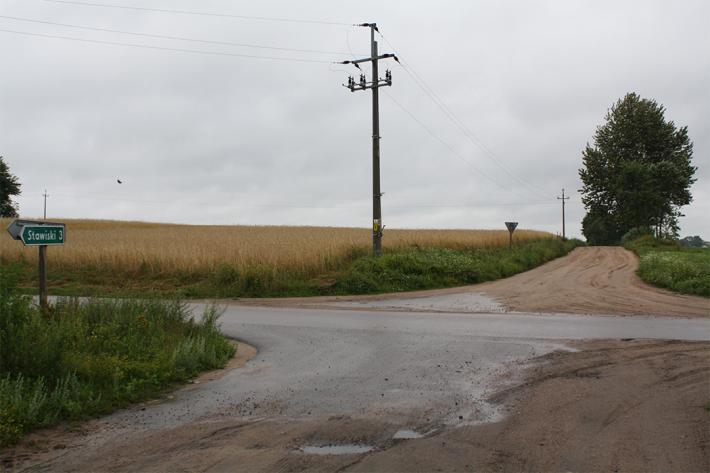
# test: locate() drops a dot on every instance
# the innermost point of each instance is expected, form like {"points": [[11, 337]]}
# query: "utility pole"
{"points": [[563, 198], [45, 204], [374, 85]]}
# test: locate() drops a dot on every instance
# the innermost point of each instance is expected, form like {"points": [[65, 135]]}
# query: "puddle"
{"points": [[407, 434], [345, 449]]}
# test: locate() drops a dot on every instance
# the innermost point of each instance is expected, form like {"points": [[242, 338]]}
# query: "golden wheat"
{"points": [[167, 248]]}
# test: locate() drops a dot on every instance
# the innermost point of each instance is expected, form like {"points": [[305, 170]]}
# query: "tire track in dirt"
{"points": [[591, 280]]}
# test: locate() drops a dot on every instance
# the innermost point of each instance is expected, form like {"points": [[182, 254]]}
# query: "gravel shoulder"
{"points": [[632, 405]]}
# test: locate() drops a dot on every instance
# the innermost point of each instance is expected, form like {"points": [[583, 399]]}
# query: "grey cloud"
{"points": [[210, 139]]}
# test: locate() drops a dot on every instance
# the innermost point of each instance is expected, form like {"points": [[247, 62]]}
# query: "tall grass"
{"points": [[84, 358], [666, 263], [208, 260]]}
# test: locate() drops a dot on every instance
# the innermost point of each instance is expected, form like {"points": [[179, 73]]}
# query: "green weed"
{"points": [[666, 264], [86, 358]]}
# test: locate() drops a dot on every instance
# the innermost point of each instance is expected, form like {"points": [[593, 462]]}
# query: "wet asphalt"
{"points": [[425, 370]]}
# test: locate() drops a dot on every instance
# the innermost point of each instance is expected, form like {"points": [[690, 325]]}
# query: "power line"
{"points": [[163, 48], [198, 13], [437, 138], [179, 38], [419, 81], [84, 196], [447, 145]]}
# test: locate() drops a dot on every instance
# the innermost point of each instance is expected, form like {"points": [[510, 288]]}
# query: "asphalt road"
{"points": [[326, 362]]}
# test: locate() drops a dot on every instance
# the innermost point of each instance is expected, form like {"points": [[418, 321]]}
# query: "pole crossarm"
{"points": [[364, 84], [369, 59]]}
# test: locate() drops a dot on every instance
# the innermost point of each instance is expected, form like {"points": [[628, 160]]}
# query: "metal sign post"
{"points": [[511, 228], [41, 234]]}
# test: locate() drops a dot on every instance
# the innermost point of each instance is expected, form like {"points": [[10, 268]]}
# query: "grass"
{"points": [[412, 269], [83, 359], [132, 258], [665, 263]]}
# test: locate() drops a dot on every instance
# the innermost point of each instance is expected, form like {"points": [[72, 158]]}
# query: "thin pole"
{"points": [[376, 191], [45, 204], [563, 199], [43, 277]]}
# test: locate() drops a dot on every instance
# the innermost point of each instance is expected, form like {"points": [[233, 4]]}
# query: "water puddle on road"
{"points": [[344, 449], [406, 434]]}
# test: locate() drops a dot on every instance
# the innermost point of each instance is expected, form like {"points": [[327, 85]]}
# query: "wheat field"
{"points": [[128, 247]]}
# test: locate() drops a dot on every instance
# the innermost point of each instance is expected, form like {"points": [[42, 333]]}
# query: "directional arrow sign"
{"points": [[34, 233]]}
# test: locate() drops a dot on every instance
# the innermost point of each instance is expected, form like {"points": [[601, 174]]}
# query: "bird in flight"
{"points": [[119, 181]]}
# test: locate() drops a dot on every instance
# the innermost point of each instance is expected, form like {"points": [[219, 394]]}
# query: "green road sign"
{"points": [[42, 235]]}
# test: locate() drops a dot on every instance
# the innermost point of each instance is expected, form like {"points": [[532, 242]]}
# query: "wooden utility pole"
{"points": [[374, 85], [563, 199]]}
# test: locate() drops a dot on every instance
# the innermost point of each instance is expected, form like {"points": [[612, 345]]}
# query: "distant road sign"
{"points": [[37, 233], [511, 226]]}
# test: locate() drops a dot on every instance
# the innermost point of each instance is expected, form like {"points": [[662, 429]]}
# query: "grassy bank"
{"points": [[145, 259], [666, 264], [430, 268], [85, 359]]}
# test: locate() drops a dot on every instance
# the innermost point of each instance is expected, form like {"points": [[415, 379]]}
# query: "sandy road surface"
{"points": [[324, 378], [593, 280], [590, 280]]}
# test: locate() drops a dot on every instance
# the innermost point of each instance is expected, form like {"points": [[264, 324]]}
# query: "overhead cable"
{"points": [[198, 13], [178, 38], [164, 48]]}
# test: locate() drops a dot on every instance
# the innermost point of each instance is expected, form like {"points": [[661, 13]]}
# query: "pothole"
{"points": [[343, 449]]}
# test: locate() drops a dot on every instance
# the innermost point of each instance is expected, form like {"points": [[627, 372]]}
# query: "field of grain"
{"points": [[137, 247]]}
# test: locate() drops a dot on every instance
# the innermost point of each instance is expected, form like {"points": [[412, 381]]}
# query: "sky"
{"points": [[490, 107]]}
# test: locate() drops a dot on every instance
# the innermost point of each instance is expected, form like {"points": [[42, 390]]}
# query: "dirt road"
{"points": [[590, 280], [593, 280]]}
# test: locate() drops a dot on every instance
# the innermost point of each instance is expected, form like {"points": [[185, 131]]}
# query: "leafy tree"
{"points": [[9, 186], [638, 173]]}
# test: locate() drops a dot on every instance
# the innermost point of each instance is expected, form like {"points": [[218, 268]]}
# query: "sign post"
{"points": [[511, 228], [41, 234]]}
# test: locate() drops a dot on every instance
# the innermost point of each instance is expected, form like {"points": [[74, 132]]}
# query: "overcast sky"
{"points": [[226, 139]]}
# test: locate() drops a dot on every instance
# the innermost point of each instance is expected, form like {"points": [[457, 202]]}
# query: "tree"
{"points": [[637, 174], [9, 186]]}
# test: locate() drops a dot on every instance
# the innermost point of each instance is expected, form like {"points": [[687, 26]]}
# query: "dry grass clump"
{"points": [[128, 247]]}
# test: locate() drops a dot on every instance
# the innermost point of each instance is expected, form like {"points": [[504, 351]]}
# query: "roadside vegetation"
{"points": [[666, 263], [131, 259], [83, 359], [429, 268]]}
